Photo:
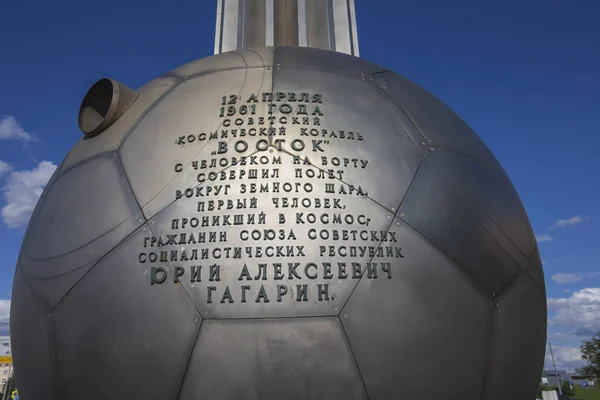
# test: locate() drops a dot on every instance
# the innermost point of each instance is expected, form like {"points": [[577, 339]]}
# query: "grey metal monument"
{"points": [[278, 221]]}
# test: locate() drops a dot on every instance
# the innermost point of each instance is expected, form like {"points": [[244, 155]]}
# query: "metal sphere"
{"points": [[278, 223]]}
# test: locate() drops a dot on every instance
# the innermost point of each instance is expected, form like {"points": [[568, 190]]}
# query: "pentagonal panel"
{"points": [[245, 58], [106, 212], [192, 133], [346, 128], [519, 342], [440, 125], [455, 202], [110, 139], [304, 58], [283, 246], [115, 324], [32, 343], [419, 318], [288, 359]]}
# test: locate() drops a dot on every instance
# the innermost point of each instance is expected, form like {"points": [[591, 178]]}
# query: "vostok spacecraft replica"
{"points": [[282, 220]]}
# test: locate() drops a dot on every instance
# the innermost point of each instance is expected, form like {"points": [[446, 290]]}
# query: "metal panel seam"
{"points": [[486, 378], [150, 108], [129, 186], [202, 148], [474, 282], [362, 380], [403, 113], [192, 187], [180, 284], [58, 303], [363, 273], [187, 365], [411, 181], [388, 228]]}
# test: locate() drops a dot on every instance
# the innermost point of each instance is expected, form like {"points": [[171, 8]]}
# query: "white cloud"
{"points": [[11, 129], [562, 279], [566, 358], [4, 168], [4, 311], [568, 222], [580, 310], [4, 323], [560, 336], [543, 238], [561, 260], [576, 220], [22, 191]]}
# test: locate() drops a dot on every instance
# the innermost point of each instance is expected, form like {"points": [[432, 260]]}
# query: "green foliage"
{"points": [[566, 389], [586, 394], [590, 352], [546, 388]]}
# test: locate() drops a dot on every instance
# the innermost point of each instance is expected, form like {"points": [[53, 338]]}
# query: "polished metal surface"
{"points": [[280, 223], [322, 24]]}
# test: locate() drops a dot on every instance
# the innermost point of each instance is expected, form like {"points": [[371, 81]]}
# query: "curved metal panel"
{"points": [[519, 342], [185, 130], [439, 124], [423, 321], [305, 58], [52, 278], [351, 130], [239, 59], [110, 139], [113, 324], [32, 337], [291, 264], [105, 206], [53, 288], [455, 202], [272, 359]]}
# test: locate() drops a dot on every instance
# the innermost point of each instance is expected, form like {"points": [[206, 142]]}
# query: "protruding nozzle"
{"points": [[103, 104]]}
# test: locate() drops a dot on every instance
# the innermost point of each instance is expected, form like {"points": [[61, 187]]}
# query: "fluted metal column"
{"points": [[323, 24]]}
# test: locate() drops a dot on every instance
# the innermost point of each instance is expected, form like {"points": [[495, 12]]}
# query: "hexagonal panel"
{"points": [[179, 139], [519, 342], [57, 242], [32, 333], [309, 59], [308, 241], [438, 123], [350, 129], [272, 359], [460, 205], [415, 323], [114, 323], [244, 58], [110, 139]]}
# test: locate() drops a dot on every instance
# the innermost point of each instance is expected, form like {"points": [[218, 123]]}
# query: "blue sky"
{"points": [[523, 74]]}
